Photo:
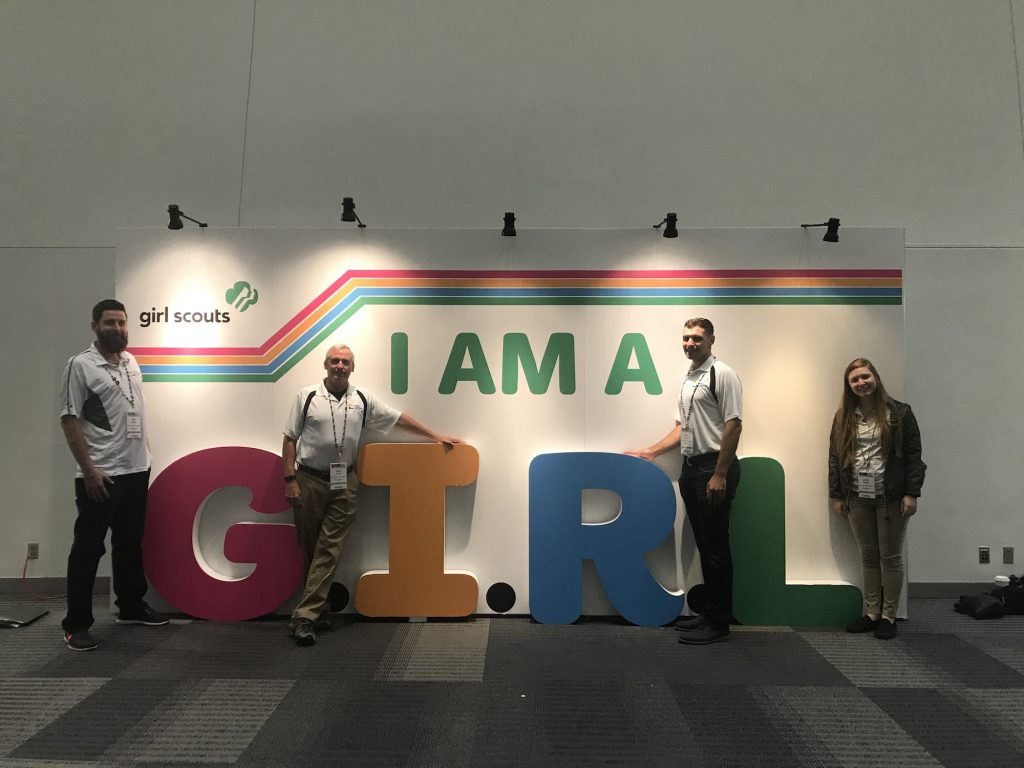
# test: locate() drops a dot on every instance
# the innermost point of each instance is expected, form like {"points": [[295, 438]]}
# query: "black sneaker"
{"points": [[322, 624], [704, 635], [304, 633], [81, 640], [863, 624], [886, 629], [145, 615], [690, 623]]}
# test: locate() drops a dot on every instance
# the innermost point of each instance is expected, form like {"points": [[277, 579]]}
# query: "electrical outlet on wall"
{"points": [[1007, 555], [983, 556], [33, 551]]}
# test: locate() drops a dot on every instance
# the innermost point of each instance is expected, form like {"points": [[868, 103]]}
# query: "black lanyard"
{"points": [[344, 421], [130, 397], [688, 412]]}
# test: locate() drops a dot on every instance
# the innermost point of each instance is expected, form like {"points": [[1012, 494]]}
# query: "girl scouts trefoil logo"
{"points": [[241, 296]]}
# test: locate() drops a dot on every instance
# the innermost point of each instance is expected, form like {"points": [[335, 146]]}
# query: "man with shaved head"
{"points": [[321, 443]]}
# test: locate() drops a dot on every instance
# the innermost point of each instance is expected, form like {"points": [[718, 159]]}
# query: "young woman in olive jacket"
{"points": [[875, 475]]}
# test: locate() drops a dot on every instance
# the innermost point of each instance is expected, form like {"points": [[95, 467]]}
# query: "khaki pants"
{"points": [[321, 525], [879, 526]]}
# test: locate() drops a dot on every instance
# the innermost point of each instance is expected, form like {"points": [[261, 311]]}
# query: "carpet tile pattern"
{"points": [[506, 691]]}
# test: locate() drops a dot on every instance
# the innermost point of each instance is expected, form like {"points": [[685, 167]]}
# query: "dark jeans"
{"points": [[711, 530], [124, 513]]}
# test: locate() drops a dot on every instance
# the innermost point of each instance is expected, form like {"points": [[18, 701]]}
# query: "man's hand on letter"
{"points": [[644, 453]]}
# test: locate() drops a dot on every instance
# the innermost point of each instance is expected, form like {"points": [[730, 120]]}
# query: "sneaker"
{"points": [[81, 640], [322, 624], [886, 629], [863, 624], [304, 633], [145, 615], [690, 623], [704, 635]]}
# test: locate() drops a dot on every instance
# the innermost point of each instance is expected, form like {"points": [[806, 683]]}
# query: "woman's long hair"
{"points": [[845, 426]]}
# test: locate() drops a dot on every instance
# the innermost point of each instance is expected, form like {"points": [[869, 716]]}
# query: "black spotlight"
{"points": [[509, 230], [670, 225], [831, 231], [348, 211], [175, 216]]}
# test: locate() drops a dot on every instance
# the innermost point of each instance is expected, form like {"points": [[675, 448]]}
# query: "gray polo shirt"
{"points": [[333, 426], [101, 396], [706, 413]]}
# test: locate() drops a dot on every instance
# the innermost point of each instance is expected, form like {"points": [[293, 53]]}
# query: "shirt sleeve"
{"points": [[730, 394], [293, 426], [73, 390], [379, 415]]}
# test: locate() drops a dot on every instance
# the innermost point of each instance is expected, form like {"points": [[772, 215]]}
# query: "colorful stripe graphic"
{"points": [[315, 322]]}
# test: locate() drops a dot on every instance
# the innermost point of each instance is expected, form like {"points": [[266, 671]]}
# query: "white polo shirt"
{"points": [[101, 395], [704, 413], [333, 426]]}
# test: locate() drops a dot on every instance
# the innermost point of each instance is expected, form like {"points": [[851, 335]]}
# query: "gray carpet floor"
{"points": [[505, 691]]}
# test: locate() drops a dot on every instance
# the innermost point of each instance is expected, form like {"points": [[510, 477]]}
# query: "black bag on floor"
{"points": [[1012, 596], [980, 606]]}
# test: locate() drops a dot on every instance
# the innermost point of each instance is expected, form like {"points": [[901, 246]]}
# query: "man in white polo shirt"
{"points": [[103, 416], [321, 443], [707, 430]]}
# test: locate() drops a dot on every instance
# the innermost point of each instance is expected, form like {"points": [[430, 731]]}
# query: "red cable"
{"points": [[24, 582]]}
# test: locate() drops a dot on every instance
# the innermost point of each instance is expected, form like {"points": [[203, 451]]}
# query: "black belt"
{"points": [[702, 459], [319, 474]]}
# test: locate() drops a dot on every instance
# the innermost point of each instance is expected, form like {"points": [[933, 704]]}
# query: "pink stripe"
{"points": [[635, 273]]}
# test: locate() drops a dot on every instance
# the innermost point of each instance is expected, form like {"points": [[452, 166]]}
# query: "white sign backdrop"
{"points": [[789, 355]]}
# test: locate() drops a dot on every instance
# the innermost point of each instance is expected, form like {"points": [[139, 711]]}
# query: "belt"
{"points": [[319, 474], [701, 459]]}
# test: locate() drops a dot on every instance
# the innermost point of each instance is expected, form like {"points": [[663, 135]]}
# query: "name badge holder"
{"points": [[134, 425], [686, 439], [339, 476], [866, 484]]}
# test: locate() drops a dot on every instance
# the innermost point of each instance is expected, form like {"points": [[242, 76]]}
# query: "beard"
{"points": [[112, 341]]}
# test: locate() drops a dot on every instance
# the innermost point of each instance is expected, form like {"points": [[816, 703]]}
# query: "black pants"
{"points": [[710, 524], [124, 513]]}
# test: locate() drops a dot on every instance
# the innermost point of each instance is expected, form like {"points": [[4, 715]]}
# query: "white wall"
{"points": [[47, 300], [963, 343], [573, 114]]}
